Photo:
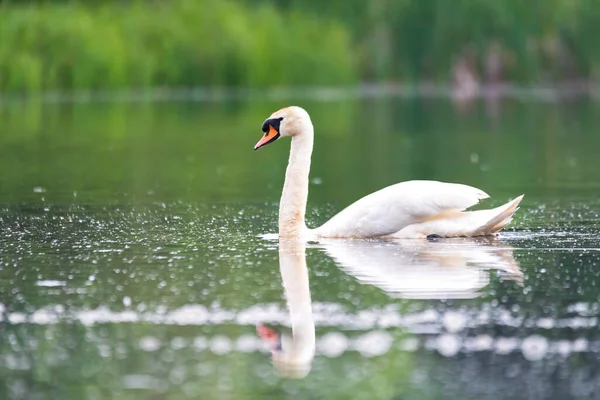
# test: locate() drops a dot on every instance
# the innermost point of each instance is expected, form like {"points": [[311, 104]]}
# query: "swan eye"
{"points": [[274, 122]]}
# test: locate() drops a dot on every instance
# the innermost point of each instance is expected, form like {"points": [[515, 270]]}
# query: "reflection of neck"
{"points": [[292, 207], [292, 262]]}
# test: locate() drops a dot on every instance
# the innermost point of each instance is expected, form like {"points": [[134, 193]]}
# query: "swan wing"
{"points": [[392, 208]]}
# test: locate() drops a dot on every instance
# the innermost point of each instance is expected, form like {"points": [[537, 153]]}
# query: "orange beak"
{"points": [[269, 137]]}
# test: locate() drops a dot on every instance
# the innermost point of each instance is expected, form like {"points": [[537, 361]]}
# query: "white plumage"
{"points": [[413, 209]]}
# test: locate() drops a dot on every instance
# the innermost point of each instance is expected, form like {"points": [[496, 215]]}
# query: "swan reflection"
{"points": [[292, 355], [408, 269], [417, 269]]}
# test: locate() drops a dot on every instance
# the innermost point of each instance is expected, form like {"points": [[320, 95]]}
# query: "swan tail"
{"points": [[503, 216], [463, 223]]}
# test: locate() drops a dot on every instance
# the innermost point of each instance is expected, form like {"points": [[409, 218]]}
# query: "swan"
{"points": [[412, 209], [293, 356]]}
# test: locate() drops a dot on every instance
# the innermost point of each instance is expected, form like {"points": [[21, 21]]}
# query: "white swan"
{"points": [[413, 209]]}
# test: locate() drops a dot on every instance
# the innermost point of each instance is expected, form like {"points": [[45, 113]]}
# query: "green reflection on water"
{"points": [[138, 211]]}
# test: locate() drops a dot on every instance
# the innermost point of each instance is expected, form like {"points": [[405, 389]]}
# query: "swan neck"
{"points": [[292, 207]]}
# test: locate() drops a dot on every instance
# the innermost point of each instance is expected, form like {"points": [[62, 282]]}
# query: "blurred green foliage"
{"points": [[110, 45], [48, 45], [418, 39]]}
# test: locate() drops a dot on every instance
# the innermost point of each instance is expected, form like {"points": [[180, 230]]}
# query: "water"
{"points": [[132, 262]]}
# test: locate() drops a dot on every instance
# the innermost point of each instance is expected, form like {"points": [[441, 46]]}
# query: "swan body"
{"points": [[412, 209]]}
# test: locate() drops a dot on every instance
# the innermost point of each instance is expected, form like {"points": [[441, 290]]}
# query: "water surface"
{"points": [[132, 263]]}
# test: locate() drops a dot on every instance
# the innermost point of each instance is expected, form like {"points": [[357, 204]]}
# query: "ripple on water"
{"points": [[180, 282]]}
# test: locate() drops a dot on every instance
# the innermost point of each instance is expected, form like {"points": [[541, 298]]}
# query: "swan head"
{"points": [[289, 121]]}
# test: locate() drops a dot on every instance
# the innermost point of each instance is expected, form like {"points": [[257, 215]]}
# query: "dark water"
{"points": [[132, 266]]}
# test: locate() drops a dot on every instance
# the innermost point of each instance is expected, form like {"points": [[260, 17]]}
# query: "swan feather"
{"points": [[392, 208]]}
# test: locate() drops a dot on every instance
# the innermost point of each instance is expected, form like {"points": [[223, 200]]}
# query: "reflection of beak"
{"points": [[269, 336], [269, 137]]}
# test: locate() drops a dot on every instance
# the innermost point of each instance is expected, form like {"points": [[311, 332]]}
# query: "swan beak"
{"points": [[269, 137]]}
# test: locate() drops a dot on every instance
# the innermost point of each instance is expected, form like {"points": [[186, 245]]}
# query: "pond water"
{"points": [[133, 266]]}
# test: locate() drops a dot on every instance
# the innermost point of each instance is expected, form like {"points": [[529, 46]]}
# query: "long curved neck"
{"points": [[292, 207]]}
